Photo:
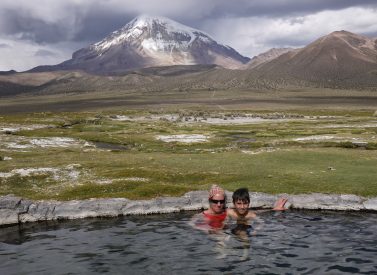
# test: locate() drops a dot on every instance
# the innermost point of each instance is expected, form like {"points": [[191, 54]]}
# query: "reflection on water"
{"points": [[111, 146], [288, 242]]}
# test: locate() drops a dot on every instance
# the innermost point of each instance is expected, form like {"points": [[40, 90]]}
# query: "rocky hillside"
{"points": [[266, 57], [338, 60]]}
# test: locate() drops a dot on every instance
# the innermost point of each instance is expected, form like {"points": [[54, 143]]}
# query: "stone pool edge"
{"points": [[16, 210]]}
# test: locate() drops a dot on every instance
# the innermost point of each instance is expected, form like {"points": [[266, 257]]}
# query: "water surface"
{"points": [[292, 242]]}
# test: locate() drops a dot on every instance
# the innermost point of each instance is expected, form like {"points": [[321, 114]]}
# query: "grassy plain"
{"points": [[107, 145]]}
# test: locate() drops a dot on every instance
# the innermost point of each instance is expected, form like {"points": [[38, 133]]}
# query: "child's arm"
{"points": [[280, 204], [251, 215]]}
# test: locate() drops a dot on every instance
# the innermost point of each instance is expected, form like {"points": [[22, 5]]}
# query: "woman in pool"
{"points": [[213, 218], [216, 213]]}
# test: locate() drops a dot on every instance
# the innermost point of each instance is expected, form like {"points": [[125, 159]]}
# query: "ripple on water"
{"points": [[296, 242]]}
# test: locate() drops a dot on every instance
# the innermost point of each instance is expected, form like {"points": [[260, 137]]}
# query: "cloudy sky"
{"points": [[42, 32]]}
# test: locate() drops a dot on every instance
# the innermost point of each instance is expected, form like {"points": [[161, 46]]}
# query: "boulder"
{"points": [[326, 202], [14, 210], [39, 211], [371, 204], [8, 217], [89, 208]]}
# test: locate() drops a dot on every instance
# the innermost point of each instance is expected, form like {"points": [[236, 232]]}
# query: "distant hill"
{"points": [[12, 89], [8, 72], [266, 57], [341, 59]]}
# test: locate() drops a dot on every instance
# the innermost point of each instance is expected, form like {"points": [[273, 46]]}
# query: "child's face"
{"points": [[242, 206]]}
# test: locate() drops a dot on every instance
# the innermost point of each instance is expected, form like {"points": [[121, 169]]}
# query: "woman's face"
{"points": [[217, 203]]}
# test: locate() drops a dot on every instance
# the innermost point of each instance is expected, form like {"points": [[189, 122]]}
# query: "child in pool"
{"points": [[243, 215], [241, 202]]}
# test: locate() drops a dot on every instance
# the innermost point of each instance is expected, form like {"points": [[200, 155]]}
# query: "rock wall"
{"points": [[14, 210]]}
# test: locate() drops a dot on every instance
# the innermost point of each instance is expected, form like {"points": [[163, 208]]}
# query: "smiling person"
{"points": [[241, 202], [213, 218], [216, 214]]}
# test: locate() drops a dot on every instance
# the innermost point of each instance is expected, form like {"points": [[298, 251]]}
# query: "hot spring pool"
{"points": [[292, 242]]}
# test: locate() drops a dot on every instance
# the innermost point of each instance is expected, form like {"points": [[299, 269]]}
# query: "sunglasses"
{"points": [[217, 201]]}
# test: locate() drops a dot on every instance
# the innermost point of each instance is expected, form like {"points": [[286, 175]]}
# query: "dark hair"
{"points": [[241, 194]]}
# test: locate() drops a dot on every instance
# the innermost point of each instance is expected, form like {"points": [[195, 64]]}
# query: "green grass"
{"points": [[149, 168]]}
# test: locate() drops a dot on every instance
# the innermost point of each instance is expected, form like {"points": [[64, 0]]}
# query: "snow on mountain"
{"points": [[150, 41], [157, 27]]}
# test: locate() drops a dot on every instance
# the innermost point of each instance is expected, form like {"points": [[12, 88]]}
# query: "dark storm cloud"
{"points": [[96, 25], [60, 27], [26, 27], [92, 20], [45, 53]]}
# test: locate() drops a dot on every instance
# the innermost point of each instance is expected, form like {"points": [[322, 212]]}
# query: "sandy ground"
{"points": [[23, 143], [195, 138], [247, 119], [12, 128], [68, 173], [225, 100]]}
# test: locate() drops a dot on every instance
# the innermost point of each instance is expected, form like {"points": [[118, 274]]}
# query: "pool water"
{"points": [[292, 242]]}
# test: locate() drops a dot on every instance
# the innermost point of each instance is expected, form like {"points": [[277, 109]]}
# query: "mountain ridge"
{"points": [[339, 59]]}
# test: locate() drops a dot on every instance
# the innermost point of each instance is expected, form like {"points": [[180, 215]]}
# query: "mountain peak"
{"points": [[338, 59], [155, 33], [144, 20], [346, 38], [341, 32], [152, 41]]}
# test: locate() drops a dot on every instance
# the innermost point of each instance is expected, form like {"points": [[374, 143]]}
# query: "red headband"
{"points": [[215, 189]]}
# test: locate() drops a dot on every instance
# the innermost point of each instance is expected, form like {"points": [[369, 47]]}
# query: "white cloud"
{"points": [[254, 35], [23, 55], [49, 21]]}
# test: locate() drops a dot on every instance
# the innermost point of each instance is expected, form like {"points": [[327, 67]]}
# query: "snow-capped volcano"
{"points": [[149, 41], [155, 34]]}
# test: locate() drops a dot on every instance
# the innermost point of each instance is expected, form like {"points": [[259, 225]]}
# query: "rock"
{"points": [[89, 208], [326, 202], [14, 203], [199, 200], [14, 210], [360, 143], [39, 211], [262, 200], [8, 217], [371, 204], [9, 202]]}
